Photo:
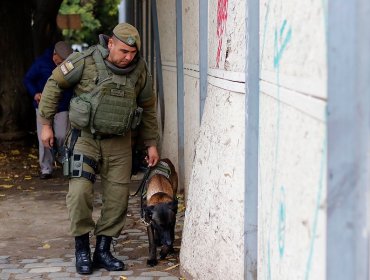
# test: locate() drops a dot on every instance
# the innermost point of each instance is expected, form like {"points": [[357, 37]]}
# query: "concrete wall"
{"points": [[190, 12], [294, 226], [167, 32], [292, 154], [214, 214]]}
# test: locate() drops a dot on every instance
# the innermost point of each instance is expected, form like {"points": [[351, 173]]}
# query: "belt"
{"points": [[86, 134]]}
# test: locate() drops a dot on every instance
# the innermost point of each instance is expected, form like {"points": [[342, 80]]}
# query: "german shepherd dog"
{"points": [[160, 210]]}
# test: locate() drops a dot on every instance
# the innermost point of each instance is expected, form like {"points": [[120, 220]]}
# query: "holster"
{"points": [[136, 120]]}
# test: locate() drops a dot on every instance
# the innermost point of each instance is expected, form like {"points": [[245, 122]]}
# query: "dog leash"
{"points": [[141, 190], [143, 182]]}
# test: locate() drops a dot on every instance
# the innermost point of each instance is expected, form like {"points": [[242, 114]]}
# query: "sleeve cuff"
{"points": [[149, 143], [43, 120]]}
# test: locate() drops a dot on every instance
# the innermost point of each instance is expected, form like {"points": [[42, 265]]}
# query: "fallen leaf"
{"points": [[6, 186], [46, 246], [27, 177], [122, 278], [172, 267], [15, 152], [32, 156], [181, 208], [2, 195]]}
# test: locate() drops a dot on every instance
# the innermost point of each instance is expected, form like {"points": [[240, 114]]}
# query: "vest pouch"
{"points": [[113, 115], [79, 112]]}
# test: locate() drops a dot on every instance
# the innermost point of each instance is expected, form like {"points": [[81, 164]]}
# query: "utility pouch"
{"points": [[79, 112], [136, 120], [76, 165]]}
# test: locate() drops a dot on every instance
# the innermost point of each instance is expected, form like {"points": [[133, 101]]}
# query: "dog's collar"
{"points": [[144, 221]]}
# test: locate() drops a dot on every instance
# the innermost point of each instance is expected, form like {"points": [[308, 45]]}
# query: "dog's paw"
{"points": [[152, 262], [165, 250]]}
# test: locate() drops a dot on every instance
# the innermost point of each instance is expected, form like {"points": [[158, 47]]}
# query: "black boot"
{"points": [[83, 254], [103, 257]]}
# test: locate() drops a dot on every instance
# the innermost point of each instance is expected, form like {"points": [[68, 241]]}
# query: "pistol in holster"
{"points": [[136, 120]]}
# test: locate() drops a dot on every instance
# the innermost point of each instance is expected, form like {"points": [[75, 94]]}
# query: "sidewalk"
{"points": [[34, 239]]}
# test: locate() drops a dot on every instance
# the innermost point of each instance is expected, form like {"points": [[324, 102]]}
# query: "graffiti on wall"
{"points": [[221, 26], [282, 37]]}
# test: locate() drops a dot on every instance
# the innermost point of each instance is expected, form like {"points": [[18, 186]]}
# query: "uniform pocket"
{"points": [[79, 112]]}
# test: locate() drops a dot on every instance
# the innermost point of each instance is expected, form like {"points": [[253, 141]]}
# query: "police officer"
{"points": [[111, 83]]}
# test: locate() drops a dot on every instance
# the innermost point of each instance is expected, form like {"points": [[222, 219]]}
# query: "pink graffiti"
{"points": [[221, 25]]}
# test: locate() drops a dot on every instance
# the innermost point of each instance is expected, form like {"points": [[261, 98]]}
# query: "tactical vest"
{"points": [[109, 108]]}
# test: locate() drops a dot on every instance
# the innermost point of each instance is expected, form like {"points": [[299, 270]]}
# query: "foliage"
{"points": [[107, 13], [97, 16]]}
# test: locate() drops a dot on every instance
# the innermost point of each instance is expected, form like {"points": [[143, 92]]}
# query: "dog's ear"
{"points": [[173, 205]]}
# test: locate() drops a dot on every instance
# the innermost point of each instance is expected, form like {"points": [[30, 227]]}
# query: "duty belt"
{"points": [[83, 133]]}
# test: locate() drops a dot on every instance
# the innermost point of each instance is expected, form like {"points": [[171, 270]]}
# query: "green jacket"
{"points": [[79, 71]]}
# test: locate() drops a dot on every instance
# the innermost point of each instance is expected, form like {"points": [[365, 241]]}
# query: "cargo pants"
{"points": [[114, 158]]}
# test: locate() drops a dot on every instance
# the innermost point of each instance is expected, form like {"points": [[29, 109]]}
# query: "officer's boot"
{"points": [[83, 254], [103, 257]]}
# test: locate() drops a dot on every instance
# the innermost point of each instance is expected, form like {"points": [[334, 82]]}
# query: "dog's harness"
{"points": [[161, 168]]}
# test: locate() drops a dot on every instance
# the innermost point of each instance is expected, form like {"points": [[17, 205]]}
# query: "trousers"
{"points": [[60, 127], [114, 158]]}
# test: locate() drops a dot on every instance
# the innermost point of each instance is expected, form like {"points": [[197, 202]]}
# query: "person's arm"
{"points": [[47, 110], [148, 129]]}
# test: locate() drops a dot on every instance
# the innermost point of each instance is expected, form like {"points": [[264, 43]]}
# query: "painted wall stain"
{"points": [[282, 37], [221, 26], [282, 222]]}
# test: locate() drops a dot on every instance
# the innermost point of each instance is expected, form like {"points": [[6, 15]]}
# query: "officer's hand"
{"points": [[153, 156], [47, 136]]}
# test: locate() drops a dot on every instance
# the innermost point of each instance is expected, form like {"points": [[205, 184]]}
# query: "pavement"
{"points": [[34, 238]]}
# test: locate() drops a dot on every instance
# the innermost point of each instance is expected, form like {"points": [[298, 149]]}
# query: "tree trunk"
{"points": [[15, 104], [45, 30], [17, 116]]}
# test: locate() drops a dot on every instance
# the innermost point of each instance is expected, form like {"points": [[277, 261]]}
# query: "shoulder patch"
{"points": [[66, 67]]}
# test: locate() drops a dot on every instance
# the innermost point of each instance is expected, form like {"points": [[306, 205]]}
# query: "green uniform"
{"points": [[113, 153]]}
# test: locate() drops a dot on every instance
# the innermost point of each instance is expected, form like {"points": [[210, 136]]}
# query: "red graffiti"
{"points": [[221, 25]]}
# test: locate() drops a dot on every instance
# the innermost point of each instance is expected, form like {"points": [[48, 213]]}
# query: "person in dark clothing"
{"points": [[35, 80]]}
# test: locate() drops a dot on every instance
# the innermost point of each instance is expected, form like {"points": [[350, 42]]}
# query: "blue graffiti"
{"points": [[282, 222], [264, 32], [279, 51], [316, 213]]}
